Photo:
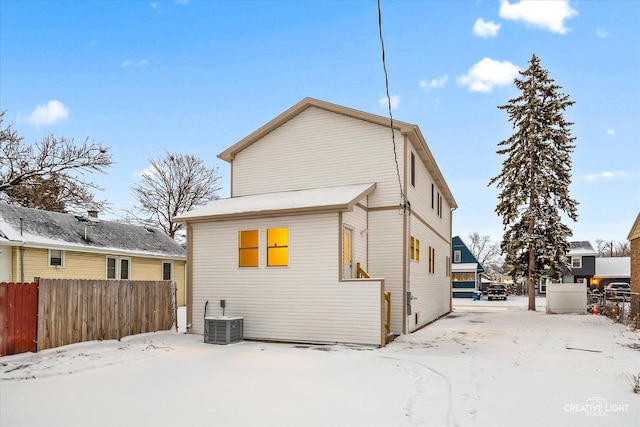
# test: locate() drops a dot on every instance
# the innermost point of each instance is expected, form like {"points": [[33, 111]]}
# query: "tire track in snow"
{"points": [[419, 378]]}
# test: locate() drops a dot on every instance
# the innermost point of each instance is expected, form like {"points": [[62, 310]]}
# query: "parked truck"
{"points": [[497, 291]]}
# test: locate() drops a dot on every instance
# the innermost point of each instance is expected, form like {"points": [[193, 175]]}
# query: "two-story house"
{"points": [[465, 270], [582, 259], [331, 212]]}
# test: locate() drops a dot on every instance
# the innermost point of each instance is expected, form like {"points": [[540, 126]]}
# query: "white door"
{"points": [[347, 253]]}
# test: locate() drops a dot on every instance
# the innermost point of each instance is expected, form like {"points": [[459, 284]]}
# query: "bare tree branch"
{"points": [[56, 165], [173, 185]]}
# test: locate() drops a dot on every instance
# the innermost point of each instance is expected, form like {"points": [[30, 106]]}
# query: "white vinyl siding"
{"points": [[303, 302], [318, 149], [386, 259]]}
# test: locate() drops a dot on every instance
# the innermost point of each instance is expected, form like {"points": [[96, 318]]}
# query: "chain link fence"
{"points": [[622, 308]]}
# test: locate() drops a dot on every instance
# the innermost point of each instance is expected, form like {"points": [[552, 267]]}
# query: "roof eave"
{"points": [[422, 147], [230, 153]]}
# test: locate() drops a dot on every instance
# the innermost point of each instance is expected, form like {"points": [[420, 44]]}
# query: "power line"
{"points": [[386, 84]]}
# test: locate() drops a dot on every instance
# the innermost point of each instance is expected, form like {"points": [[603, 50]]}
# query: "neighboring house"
{"points": [[611, 269], [634, 239], [582, 260], [42, 244], [316, 206], [465, 270]]}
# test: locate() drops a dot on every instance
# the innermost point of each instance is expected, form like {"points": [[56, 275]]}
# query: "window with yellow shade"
{"points": [[248, 248], [277, 247], [414, 249]]}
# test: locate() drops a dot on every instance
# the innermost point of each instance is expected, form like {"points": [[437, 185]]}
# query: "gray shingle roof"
{"points": [[582, 247], [51, 229]]}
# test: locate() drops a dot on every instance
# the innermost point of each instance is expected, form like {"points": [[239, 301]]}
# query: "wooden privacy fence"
{"points": [[71, 311], [18, 317]]}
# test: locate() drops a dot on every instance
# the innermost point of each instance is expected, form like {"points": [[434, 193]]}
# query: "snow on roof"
{"points": [[581, 248], [613, 267], [35, 227], [317, 199]]}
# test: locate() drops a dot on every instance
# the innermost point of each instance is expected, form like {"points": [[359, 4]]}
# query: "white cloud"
{"points": [[434, 83], [611, 132], [484, 28], [487, 74], [129, 63], [50, 113], [602, 33], [606, 175], [548, 14], [395, 102], [155, 5]]}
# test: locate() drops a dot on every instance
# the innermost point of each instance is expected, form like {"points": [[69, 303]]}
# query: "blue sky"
{"points": [[197, 76]]}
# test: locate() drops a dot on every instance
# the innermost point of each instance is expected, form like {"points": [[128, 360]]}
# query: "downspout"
{"points": [[407, 244], [450, 259], [188, 286]]}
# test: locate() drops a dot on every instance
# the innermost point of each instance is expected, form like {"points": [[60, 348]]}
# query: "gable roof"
{"points": [[318, 200], [410, 130], [635, 230], [44, 229], [582, 247], [467, 259]]}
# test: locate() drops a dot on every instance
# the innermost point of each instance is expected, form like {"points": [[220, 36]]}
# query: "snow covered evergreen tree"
{"points": [[535, 179]]}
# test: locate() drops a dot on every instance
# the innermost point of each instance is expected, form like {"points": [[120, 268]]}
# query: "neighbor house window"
{"points": [[576, 261], [414, 250], [112, 264], [56, 258], [277, 247], [457, 255], [167, 270], [118, 268], [463, 277], [413, 169], [248, 248]]}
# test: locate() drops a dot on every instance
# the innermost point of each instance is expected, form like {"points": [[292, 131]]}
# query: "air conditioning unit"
{"points": [[223, 330]]}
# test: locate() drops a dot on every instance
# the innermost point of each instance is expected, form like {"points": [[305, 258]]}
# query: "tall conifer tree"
{"points": [[535, 179]]}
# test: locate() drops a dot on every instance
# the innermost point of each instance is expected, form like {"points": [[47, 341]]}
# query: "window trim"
{"points": [[120, 259], [118, 267], [432, 195], [579, 259], [413, 170], [275, 246], [457, 256], [115, 268], [248, 248], [414, 249], [61, 265], [170, 263]]}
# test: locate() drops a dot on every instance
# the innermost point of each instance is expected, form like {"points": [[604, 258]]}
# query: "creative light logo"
{"points": [[596, 407]]}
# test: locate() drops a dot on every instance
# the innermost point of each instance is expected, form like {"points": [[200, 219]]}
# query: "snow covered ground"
{"points": [[486, 364]]}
